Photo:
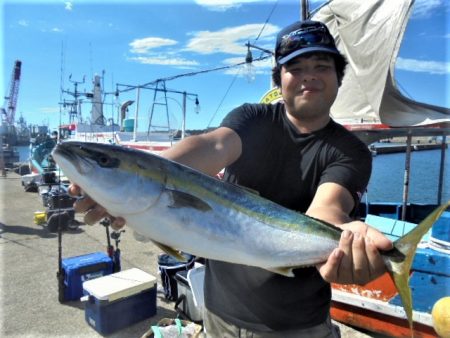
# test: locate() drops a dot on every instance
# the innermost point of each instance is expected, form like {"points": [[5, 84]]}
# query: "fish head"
{"points": [[122, 180]]}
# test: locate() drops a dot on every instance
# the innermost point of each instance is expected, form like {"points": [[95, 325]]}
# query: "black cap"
{"points": [[303, 37]]}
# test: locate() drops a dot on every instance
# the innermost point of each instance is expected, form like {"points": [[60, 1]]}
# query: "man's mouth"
{"points": [[308, 90]]}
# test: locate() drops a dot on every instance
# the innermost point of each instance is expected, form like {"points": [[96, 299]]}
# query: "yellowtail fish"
{"points": [[183, 209]]}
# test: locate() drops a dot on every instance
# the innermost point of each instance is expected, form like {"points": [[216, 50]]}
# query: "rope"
{"points": [[223, 99], [267, 20]]}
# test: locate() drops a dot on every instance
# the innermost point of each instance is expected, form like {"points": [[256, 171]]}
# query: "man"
{"points": [[292, 153]]}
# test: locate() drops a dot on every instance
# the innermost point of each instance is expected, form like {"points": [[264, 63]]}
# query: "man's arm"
{"points": [[208, 153], [357, 259]]}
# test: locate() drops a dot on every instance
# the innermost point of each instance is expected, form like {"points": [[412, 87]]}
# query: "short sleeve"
{"points": [[351, 168]]}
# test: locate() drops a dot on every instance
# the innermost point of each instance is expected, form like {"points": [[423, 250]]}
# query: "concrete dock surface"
{"points": [[29, 262]]}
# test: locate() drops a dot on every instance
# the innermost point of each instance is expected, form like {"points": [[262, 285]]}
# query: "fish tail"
{"points": [[399, 265]]}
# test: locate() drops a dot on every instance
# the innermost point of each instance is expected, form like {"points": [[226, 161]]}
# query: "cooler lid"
{"points": [[85, 260], [119, 285]]}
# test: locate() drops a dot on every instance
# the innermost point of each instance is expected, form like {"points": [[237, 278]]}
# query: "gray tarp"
{"points": [[369, 33]]}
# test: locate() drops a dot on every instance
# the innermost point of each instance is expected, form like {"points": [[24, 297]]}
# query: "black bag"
{"points": [[58, 200], [168, 267], [61, 219]]}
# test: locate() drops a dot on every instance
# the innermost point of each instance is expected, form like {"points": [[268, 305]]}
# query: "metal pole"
{"points": [[441, 169], [183, 125], [406, 177], [136, 112], [2, 158], [305, 10]]}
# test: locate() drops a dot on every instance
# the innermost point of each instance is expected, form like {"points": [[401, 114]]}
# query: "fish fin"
{"points": [[282, 271], [182, 199], [171, 251], [401, 257]]}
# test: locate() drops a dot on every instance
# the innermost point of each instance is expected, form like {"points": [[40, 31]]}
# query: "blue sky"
{"points": [[137, 42]]}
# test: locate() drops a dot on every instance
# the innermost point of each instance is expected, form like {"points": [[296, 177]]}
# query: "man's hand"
{"points": [[93, 212], [357, 259]]}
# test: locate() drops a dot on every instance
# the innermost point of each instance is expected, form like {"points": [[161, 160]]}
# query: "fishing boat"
{"points": [[369, 34], [125, 132]]}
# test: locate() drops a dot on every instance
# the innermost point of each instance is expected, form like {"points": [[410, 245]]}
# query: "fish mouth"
{"points": [[67, 152]]}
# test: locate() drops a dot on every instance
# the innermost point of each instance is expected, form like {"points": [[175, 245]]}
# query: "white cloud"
{"points": [[228, 40], [142, 46], [222, 5], [432, 67], [57, 30], [68, 6], [424, 8], [164, 60], [23, 23]]}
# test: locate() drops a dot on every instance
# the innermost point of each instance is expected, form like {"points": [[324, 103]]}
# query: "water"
{"points": [[24, 153], [386, 184]]}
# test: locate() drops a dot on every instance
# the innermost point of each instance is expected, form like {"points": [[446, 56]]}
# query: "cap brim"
{"points": [[307, 50]]}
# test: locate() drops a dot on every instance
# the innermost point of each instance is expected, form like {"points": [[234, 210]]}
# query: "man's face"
{"points": [[309, 85]]}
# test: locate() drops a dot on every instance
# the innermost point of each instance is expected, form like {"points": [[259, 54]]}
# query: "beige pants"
{"points": [[216, 327]]}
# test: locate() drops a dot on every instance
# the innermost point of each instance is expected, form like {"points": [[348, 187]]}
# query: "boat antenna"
{"points": [[61, 92], [90, 61], [305, 10]]}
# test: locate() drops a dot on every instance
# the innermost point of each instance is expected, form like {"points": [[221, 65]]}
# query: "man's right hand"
{"points": [[93, 212]]}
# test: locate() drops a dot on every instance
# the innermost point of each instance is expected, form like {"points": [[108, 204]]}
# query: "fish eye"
{"points": [[104, 160], [107, 162]]}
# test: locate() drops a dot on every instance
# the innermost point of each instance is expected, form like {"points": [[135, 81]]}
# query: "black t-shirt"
{"points": [[286, 167]]}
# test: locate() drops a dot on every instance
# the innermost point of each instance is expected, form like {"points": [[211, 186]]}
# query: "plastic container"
{"points": [[40, 217], [128, 125], [119, 300], [82, 268], [186, 305]]}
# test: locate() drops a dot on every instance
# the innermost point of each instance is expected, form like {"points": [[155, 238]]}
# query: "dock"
{"points": [[391, 148], [30, 306]]}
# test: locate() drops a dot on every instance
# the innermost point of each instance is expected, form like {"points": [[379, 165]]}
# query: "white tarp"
{"points": [[369, 33]]}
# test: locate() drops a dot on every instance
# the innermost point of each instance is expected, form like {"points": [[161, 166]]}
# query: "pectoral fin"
{"points": [[182, 199], [170, 251], [283, 271]]}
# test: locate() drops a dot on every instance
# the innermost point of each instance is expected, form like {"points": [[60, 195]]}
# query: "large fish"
{"points": [[182, 209]]}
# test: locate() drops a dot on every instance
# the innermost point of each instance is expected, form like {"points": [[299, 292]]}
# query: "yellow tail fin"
{"points": [[400, 266]]}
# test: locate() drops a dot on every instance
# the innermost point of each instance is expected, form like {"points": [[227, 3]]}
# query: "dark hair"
{"points": [[339, 61]]}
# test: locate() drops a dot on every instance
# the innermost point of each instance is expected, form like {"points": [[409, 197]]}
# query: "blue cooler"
{"points": [[82, 268], [119, 300]]}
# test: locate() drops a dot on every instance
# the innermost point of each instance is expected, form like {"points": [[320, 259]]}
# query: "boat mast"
{"points": [[304, 10]]}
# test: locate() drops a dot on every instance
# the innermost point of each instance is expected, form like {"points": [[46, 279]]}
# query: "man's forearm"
{"points": [[331, 215]]}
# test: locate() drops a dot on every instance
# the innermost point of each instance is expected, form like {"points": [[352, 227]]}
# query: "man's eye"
{"points": [[323, 67]]}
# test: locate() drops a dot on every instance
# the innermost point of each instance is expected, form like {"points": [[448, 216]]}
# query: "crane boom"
{"points": [[11, 100]]}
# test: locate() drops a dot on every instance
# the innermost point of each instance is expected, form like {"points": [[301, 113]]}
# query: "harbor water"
{"points": [[386, 184]]}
